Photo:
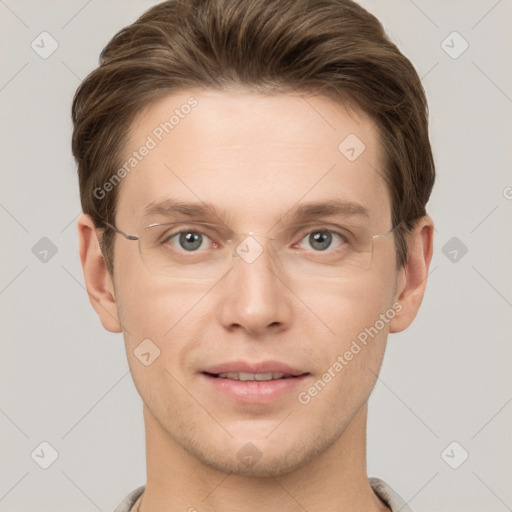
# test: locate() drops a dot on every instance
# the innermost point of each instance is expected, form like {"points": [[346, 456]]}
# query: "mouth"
{"points": [[255, 387], [246, 376]]}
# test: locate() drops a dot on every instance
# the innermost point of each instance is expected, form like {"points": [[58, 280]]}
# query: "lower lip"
{"points": [[256, 391]]}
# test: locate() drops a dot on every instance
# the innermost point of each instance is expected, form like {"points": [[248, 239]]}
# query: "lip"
{"points": [[254, 367], [253, 391]]}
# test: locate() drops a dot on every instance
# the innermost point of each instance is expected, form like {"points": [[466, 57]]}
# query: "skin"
{"points": [[254, 157]]}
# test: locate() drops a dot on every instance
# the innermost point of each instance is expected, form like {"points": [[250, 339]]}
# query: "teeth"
{"points": [[252, 376]]}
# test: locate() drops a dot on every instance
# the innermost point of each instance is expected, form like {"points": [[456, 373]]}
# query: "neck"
{"points": [[336, 480]]}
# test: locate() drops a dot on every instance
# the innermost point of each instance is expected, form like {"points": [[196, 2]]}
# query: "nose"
{"points": [[255, 296]]}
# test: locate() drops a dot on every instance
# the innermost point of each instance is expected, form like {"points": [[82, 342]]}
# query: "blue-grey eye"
{"points": [[190, 241], [321, 240]]}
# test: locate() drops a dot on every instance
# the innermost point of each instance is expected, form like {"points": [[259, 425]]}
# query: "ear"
{"points": [[412, 280], [97, 279]]}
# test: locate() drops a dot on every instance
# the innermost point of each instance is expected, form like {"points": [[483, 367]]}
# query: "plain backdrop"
{"points": [[445, 388]]}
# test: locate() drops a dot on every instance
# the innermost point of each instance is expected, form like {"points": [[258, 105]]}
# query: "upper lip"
{"points": [[254, 367]]}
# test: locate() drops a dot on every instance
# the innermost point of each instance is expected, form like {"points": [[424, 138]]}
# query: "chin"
{"points": [[260, 464], [259, 456]]}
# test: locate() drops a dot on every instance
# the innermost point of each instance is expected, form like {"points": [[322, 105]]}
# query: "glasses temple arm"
{"points": [[122, 233]]}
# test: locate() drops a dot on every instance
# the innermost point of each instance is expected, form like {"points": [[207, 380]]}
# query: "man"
{"points": [[254, 177]]}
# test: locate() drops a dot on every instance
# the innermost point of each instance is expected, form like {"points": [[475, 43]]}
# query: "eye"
{"points": [[321, 239], [189, 241]]}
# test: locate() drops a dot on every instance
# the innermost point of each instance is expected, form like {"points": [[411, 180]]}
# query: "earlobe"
{"points": [[413, 278], [97, 279]]}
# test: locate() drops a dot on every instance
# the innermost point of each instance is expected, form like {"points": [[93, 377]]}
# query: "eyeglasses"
{"points": [[206, 251]]}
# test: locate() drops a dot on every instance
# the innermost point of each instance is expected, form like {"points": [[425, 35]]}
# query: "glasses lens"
{"points": [[206, 251], [186, 250], [315, 251]]}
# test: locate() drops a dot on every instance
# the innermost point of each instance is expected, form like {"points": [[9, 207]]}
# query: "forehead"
{"points": [[253, 156]]}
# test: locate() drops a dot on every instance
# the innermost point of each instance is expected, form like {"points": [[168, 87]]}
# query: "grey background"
{"points": [[65, 380]]}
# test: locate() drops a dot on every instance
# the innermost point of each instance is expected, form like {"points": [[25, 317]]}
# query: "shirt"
{"points": [[380, 488]]}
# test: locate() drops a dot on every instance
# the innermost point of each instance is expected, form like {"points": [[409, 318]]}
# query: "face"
{"points": [[254, 160]]}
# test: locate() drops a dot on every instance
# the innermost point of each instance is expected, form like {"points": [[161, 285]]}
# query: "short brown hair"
{"points": [[333, 47]]}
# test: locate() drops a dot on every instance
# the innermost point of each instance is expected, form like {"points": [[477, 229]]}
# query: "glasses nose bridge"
{"points": [[264, 235], [239, 237], [248, 248]]}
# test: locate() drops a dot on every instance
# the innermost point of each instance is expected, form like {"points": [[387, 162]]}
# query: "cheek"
{"points": [[151, 306], [163, 320], [354, 322], [156, 335], [348, 361], [340, 311]]}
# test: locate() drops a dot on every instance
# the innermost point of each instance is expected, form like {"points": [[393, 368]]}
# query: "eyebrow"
{"points": [[334, 207], [300, 213]]}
